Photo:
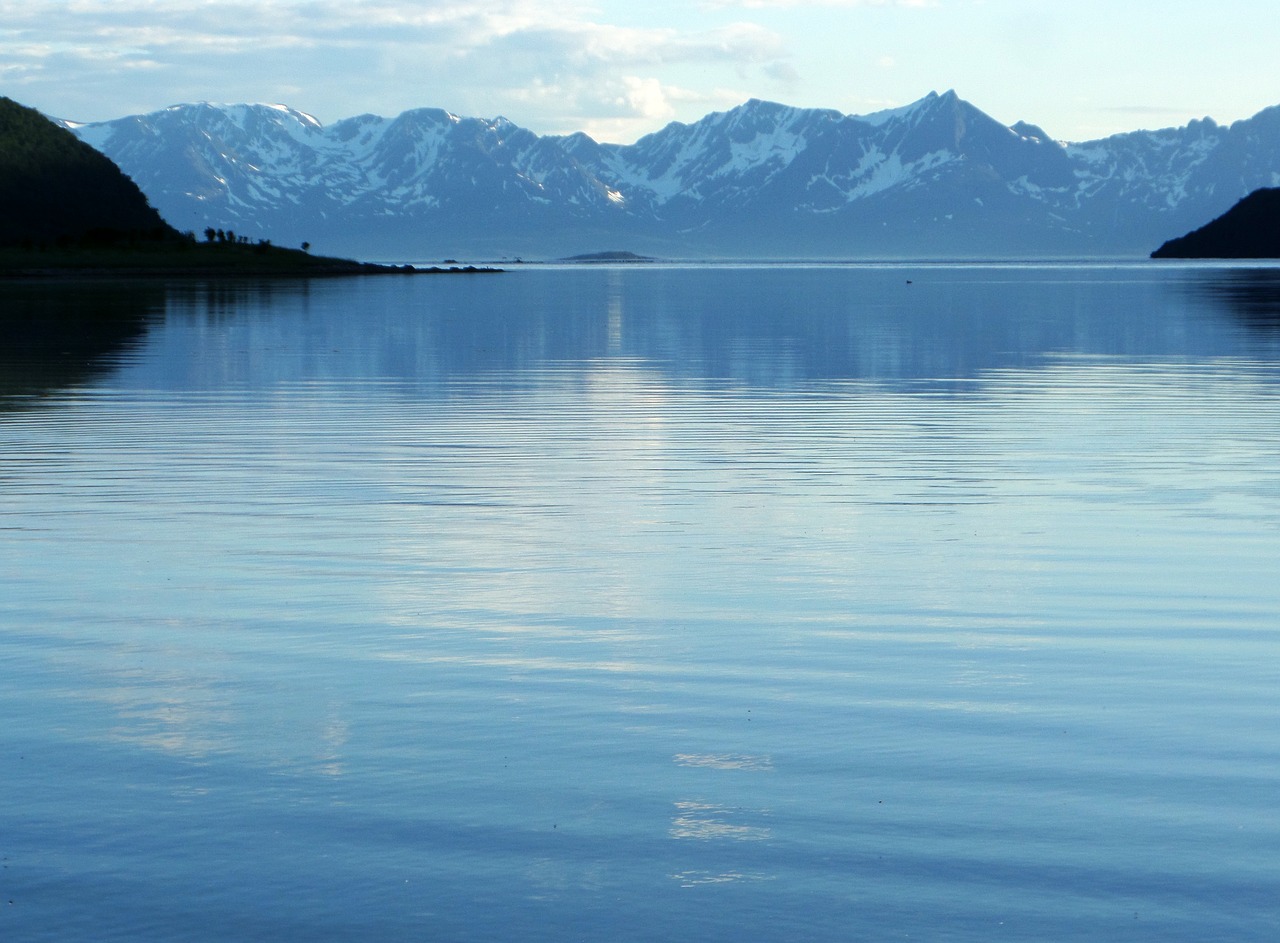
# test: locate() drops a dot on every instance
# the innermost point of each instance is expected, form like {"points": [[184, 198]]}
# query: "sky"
{"points": [[619, 69]]}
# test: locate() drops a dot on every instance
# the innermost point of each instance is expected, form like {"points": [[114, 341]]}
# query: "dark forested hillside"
{"points": [[55, 188], [1249, 230]]}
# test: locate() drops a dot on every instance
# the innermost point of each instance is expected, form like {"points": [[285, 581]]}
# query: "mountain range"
{"points": [[937, 178]]}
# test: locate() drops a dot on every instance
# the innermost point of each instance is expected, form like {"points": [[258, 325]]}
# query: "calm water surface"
{"points": [[631, 604]]}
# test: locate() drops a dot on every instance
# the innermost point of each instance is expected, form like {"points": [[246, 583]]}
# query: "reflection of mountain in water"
{"points": [[785, 327], [1252, 295], [930, 327], [767, 328], [54, 336]]}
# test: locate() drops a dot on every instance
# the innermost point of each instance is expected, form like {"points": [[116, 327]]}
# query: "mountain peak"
{"points": [[762, 105], [751, 109], [936, 98], [1024, 129], [242, 110], [930, 103], [426, 116]]}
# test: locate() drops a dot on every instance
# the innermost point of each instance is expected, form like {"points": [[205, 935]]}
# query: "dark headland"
{"points": [[66, 210], [1249, 230]]}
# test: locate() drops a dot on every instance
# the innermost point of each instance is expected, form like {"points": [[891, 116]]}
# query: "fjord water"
{"points": [[718, 603]]}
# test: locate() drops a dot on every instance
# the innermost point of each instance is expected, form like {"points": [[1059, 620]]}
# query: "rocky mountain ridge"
{"points": [[937, 178]]}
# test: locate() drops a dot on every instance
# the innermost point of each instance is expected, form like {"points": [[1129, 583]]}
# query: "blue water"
{"points": [[643, 603]]}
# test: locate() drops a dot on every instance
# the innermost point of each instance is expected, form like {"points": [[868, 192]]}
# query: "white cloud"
{"points": [[560, 62], [556, 65], [789, 4], [591, 48], [617, 110]]}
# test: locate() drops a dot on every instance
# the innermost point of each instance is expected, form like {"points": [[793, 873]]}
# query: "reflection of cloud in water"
{"points": [[954, 706], [979, 676], [700, 821], [696, 878], [187, 716], [164, 722], [523, 662], [160, 706], [334, 737], [600, 431], [725, 761], [186, 702], [552, 877]]}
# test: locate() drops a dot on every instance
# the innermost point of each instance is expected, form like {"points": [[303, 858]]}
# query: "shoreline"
{"points": [[189, 260], [228, 273]]}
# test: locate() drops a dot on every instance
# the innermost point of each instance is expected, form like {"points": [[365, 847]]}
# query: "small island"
{"points": [[1249, 230], [611, 256], [66, 210]]}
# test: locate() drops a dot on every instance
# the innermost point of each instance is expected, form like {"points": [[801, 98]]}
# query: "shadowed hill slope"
{"points": [[56, 188], [1249, 230]]}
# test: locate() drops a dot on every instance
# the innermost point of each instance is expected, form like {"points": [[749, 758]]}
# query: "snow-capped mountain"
{"points": [[935, 178]]}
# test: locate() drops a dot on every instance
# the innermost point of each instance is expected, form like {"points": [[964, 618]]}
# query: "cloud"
{"points": [[559, 62], [591, 47], [782, 72], [790, 4], [239, 27], [1144, 110], [617, 109]]}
